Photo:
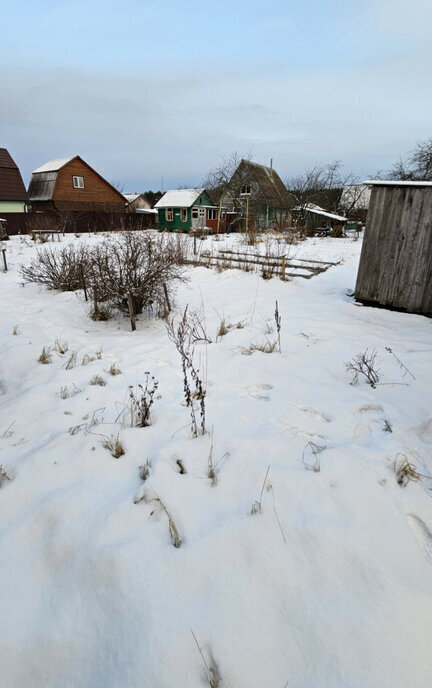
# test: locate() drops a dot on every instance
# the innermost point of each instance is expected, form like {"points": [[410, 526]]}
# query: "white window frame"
{"points": [[169, 214], [194, 213], [78, 182], [245, 190], [212, 213]]}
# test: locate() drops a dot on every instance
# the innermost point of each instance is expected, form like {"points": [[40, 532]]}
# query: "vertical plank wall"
{"points": [[396, 259]]}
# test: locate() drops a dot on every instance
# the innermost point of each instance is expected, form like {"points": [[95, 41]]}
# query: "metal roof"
{"points": [[395, 182], [53, 165]]}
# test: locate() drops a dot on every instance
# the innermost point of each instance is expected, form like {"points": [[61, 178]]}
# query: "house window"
{"points": [[245, 190], [211, 214], [194, 213], [184, 214], [78, 182], [169, 215]]}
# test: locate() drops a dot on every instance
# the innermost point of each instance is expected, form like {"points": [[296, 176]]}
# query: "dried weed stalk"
{"points": [[141, 401], [45, 356], [257, 505], [315, 450], [193, 387], [211, 668]]}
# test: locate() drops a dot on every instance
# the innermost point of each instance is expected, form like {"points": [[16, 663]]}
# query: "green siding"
{"points": [[12, 207], [176, 224]]}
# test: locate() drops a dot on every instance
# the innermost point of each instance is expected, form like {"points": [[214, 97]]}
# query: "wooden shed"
{"points": [[396, 260]]}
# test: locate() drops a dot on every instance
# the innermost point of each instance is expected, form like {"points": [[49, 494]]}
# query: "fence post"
{"points": [[4, 259], [283, 268], [131, 311]]}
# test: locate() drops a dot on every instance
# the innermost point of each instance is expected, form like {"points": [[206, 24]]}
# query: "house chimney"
{"points": [[271, 166]]}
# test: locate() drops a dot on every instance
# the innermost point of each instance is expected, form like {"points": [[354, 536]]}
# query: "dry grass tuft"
{"points": [[314, 450], [3, 476], [267, 348], [45, 356], [66, 393], [72, 361], [114, 446], [15, 330], [86, 359], [114, 370], [405, 471], [61, 347], [98, 380]]}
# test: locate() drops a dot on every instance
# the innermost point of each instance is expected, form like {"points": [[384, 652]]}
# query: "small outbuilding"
{"points": [[395, 268], [184, 209]]}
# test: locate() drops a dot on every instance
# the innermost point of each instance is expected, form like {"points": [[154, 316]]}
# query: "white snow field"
{"points": [[329, 586]]}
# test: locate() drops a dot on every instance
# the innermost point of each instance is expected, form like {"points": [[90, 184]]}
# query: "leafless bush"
{"points": [[61, 268], [364, 364], [182, 336], [141, 401], [136, 264], [114, 446]]}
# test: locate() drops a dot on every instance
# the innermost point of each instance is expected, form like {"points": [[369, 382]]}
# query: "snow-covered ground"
{"points": [[328, 587]]}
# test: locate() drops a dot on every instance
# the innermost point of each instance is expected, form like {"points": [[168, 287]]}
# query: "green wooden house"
{"points": [[184, 209]]}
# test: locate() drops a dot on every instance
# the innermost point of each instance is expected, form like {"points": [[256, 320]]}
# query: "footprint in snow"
{"points": [[316, 415], [370, 418], [258, 391], [421, 533]]}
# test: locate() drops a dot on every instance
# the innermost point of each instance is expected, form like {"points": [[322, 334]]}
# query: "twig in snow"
{"points": [[278, 319], [212, 672], [270, 489], [257, 505]]}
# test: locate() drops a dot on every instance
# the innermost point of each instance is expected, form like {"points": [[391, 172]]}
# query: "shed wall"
{"points": [[396, 261]]}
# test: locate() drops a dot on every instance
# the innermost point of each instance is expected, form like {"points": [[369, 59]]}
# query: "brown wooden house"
{"points": [[13, 194], [70, 184]]}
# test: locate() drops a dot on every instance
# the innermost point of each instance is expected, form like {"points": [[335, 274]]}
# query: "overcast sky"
{"points": [[143, 90]]}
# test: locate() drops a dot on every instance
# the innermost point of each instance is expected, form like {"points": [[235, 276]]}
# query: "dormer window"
{"points": [[78, 182], [245, 190]]}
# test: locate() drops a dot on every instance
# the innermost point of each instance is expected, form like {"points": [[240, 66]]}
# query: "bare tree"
{"points": [[217, 180], [416, 167]]}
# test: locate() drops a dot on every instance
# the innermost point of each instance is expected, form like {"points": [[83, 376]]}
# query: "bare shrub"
{"points": [[60, 269], [136, 264], [364, 364], [45, 356], [182, 337], [141, 401]]}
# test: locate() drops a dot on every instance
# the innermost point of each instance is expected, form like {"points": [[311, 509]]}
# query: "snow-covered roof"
{"points": [[131, 197], [394, 182], [317, 210], [53, 165], [179, 198]]}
